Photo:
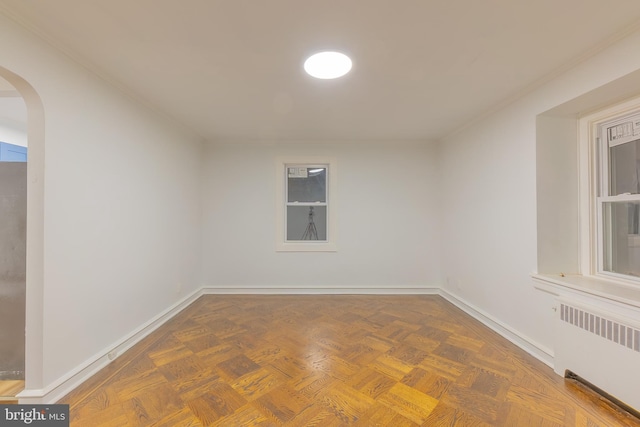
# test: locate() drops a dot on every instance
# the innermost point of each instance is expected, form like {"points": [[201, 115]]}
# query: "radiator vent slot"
{"points": [[606, 328]]}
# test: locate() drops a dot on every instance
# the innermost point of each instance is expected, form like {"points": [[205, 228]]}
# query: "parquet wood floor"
{"points": [[9, 389], [331, 361]]}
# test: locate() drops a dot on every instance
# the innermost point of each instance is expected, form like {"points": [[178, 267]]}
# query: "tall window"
{"points": [[618, 198], [306, 205]]}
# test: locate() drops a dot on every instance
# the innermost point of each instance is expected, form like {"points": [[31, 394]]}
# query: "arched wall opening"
{"points": [[35, 230]]}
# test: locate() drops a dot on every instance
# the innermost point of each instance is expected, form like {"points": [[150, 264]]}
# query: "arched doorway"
{"points": [[33, 312]]}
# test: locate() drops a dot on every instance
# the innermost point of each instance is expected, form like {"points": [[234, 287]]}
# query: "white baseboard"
{"points": [[333, 290], [537, 350], [65, 384]]}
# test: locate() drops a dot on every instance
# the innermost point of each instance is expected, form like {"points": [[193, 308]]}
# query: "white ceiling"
{"points": [[232, 69]]}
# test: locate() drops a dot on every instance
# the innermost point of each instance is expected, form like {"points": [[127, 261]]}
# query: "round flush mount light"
{"points": [[327, 65]]}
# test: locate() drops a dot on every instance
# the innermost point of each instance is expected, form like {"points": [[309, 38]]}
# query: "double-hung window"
{"points": [[618, 199], [306, 213], [306, 206]]}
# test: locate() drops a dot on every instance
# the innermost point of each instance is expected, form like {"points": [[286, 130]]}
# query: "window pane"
{"points": [[622, 238], [306, 223], [624, 167], [306, 184]]}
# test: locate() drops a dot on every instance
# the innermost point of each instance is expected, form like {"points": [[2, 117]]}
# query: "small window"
{"points": [[305, 213], [306, 203]]}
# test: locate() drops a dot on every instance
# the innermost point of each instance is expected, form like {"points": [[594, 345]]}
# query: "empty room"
{"points": [[368, 213]]}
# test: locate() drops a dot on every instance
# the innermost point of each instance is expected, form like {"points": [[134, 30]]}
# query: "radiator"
{"points": [[601, 347], [601, 325]]}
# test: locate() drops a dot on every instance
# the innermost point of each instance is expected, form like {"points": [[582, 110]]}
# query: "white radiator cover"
{"points": [[601, 347]]}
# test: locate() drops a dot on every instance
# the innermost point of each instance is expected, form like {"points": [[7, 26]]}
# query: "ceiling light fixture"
{"points": [[327, 65]]}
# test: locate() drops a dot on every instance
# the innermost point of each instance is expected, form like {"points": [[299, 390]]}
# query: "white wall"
{"points": [[121, 196], [388, 233], [13, 118], [557, 194], [12, 135], [489, 195]]}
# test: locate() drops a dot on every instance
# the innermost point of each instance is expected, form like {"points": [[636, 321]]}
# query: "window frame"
{"points": [[284, 245], [594, 184]]}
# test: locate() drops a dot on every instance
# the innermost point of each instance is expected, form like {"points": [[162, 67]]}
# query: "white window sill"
{"points": [[600, 287], [306, 247]]}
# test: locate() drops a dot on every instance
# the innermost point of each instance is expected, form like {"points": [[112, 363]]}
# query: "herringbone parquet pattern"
{"points": [[331, 361]]}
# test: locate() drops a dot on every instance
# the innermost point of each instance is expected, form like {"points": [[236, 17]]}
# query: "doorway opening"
{"points": [[32, 327], [13, 239]]}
